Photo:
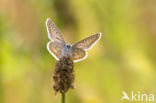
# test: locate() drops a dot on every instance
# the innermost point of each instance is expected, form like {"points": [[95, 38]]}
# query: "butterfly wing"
{"points": [[57, 42], [53, 33], [54, 49], [78, 54], [88, 42], [79, 48]]}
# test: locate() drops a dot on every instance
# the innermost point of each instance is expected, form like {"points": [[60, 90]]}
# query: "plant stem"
{"points": [[63, 97]]}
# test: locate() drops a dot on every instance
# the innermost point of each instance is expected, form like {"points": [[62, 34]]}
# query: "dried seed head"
{"points": [[63, 75]]}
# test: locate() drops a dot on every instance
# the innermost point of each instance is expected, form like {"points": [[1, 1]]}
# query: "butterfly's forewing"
{"points": [[88, 42], [54, 33], [79, 48], [57, 42]]}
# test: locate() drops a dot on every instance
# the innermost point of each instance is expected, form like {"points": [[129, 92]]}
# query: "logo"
{"points": [[138, 96]]}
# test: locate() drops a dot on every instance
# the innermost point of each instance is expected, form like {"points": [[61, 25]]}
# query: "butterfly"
{"points": [[59, 48]]}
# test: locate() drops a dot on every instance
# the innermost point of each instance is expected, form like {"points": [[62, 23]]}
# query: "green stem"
{"points": [[63, 97]]}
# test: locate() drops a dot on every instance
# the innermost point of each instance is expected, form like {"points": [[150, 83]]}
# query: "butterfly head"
{"points": [[67, 50], [68, 46]]}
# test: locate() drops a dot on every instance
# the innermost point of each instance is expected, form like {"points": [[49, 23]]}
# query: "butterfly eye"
{"points": [[68, 46]]}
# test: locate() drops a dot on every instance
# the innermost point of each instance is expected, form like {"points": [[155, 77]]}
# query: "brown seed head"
{"points": [[63, 75]]}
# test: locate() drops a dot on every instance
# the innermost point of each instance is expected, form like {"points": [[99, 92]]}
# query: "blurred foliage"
{"points": [[124, 59]]}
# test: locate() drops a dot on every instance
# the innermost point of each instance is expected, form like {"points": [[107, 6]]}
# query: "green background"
{"points": [[123, 60]]}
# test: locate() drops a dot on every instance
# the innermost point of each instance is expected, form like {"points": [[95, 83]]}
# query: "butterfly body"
{"points": [[67, 51], [59, 48]]}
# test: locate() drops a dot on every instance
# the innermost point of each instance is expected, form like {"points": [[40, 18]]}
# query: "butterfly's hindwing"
{"points": [[78, 54], [55, 49]]}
